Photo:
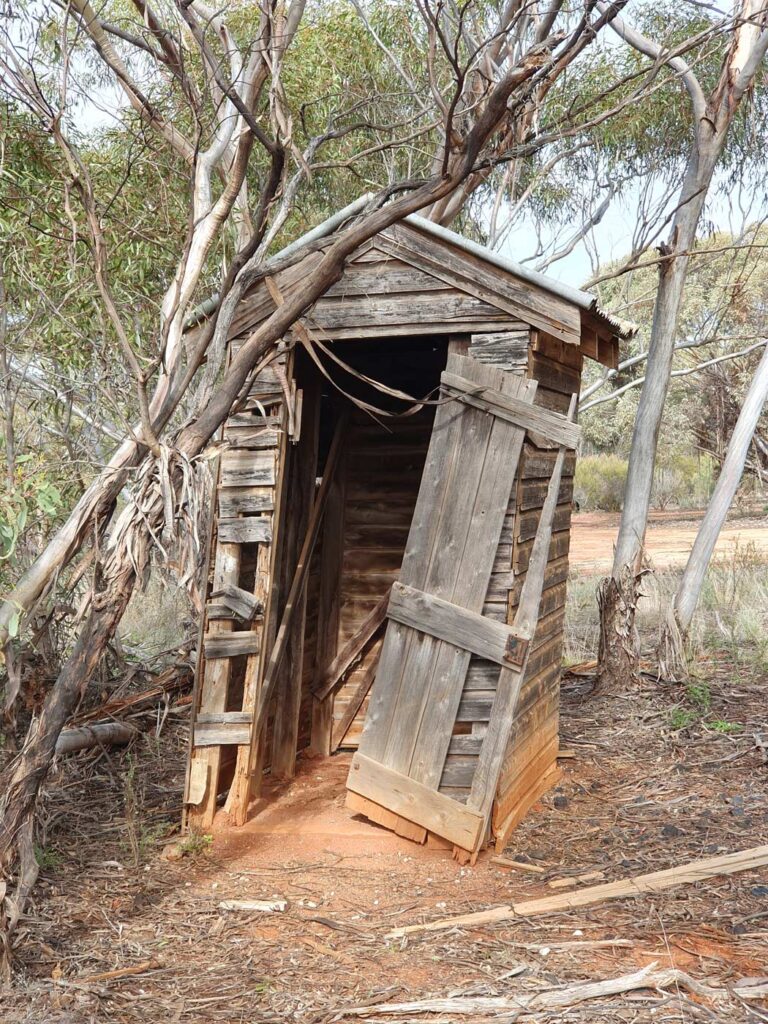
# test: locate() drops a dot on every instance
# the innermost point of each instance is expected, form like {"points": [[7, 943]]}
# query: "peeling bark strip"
{"points": [[618, 649]]}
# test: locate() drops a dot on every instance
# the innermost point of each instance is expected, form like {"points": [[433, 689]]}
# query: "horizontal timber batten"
{"points": [[231, 644], [449, 622], [252, 530], [554, 427], [415, 801]]}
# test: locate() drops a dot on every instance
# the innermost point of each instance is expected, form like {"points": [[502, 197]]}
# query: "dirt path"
{"points": [[669, 539]]}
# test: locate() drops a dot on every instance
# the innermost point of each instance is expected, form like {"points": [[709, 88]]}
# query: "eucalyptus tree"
{"points": [[213, 90], [713, 108], [680, 614]]}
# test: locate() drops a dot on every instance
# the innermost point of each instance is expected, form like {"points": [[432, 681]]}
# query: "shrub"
{"points": [[599, 482], [683, 481]]}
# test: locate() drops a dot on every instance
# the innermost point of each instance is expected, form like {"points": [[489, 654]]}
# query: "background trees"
{"points": [[157, 159], [211, 106]]}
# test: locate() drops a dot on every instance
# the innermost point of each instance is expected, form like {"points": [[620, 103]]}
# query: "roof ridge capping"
{"points": [[625, 329]]}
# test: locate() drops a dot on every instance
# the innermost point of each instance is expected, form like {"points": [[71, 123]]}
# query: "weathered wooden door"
{"points": [[435, 611]]}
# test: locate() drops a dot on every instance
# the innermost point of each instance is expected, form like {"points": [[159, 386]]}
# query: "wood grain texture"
{"points": [[534, 420], [449, 622], [468, 272], [414, 801], [457, 524], [249, 530]]}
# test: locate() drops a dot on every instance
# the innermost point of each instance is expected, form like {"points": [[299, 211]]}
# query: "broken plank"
{"points": [[656, 881], [239, 601], [255, 906], [517, 865], [414, 801], [231, 645], [381, 816], [252, 530], [354, 704], [332, 677]]}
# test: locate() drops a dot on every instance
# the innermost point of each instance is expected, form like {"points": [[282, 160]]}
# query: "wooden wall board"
{"points": [[457, 266], [435, 554], [436, 311], [557, 351], [379, 502], [383, 276], [329, 599], [413, 744], [300, 499], [506, 349], [229, 653]]}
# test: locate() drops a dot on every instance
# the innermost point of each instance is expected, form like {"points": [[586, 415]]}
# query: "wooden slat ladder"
{"points": [[256, 440], [278, 650], [434, 614]]}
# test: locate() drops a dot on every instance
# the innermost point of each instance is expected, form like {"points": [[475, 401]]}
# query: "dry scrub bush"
{"points": [[732, 615], [599, 482]]}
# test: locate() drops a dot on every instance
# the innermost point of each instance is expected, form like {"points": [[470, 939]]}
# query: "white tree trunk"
{"points": [[689, 589], [661, 349]]}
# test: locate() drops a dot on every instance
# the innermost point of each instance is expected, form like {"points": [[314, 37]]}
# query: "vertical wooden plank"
{"points": [[202, 769], [439, 566], [451, 548], [433, 739], [329, 612], [460, 564], [247, 783], [301, 497], [206, 761], [239, 794], [397, 639], [488, 769]]}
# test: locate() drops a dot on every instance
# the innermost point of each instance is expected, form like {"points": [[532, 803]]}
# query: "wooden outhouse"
{"points": [[381, 501]]}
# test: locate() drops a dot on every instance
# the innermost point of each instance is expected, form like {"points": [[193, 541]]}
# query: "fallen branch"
{"points": [[656, 881], [255, 906], [121, 972], [102, 734], [172, 680], [550, 999]]}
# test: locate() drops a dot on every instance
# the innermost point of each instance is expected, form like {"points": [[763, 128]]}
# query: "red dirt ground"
{"points": [[668, 542], [638, 796]]}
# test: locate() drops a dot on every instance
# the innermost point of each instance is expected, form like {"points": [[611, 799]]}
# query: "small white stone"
{"points": [[545, 951]]}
